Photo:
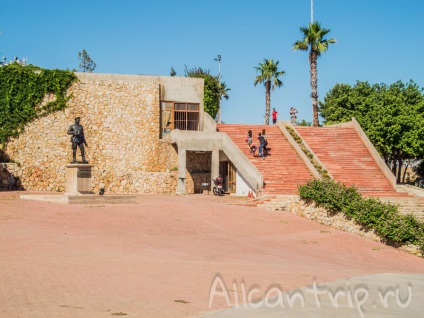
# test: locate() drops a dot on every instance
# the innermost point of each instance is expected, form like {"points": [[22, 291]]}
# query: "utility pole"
{"points": [[218, 119]]}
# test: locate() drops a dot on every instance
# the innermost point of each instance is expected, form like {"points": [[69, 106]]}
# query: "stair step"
{"points": [[347, 159], [339, 148], [282, 169]]}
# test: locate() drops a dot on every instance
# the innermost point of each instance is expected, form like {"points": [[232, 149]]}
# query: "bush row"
{"points": [[370, 213]]}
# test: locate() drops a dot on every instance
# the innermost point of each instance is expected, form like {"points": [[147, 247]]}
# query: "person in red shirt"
{"points": [[274, 116]]}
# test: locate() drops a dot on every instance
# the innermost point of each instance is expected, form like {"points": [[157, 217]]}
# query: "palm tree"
{"points": [[269, 75], [313, 39], [223, 93]]}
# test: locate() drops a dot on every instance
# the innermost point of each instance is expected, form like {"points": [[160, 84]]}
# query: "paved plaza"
{"points": [[190, 256]]}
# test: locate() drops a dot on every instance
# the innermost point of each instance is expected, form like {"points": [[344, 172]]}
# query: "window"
{"points": [[167, 120], [183, 116], [186, 116]]}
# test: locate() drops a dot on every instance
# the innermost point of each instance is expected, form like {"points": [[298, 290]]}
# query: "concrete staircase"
{"points": [[282, 169], [340, 150], [414, 206], [277, 203], [347, 159]]}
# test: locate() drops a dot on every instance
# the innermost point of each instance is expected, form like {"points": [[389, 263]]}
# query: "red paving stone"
{"points": [[105, 261]]}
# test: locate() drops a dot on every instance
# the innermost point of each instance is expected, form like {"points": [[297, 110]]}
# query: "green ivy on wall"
{"points": [[22, 89]]}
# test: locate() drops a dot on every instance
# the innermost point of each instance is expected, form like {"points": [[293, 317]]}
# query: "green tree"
{"points": [[391, 116], [86, 63], [172, 72], [223, 93], [313, 39], [269, 76], [419, 168], [211, 89], [303, 122]]}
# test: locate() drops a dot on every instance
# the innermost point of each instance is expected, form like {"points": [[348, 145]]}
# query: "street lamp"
{"points": [[219, 64], [218, 119]]}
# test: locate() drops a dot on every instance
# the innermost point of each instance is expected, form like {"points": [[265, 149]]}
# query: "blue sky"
{"points": [[380, 41]]}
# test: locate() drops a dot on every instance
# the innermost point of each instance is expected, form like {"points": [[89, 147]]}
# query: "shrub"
{"points": [[371, 213]]}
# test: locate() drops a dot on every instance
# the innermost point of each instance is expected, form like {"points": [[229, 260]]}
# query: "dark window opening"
{"points": [[183, 116]]}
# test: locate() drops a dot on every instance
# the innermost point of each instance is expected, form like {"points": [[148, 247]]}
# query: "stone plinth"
{"points": [[79, 190], [78, 179], [82, 199]]}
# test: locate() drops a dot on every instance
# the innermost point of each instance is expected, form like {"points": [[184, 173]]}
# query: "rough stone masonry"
{"points": [[121, 116]]}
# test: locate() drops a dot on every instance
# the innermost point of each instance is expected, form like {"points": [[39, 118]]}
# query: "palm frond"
{"points": [[300, 45]]}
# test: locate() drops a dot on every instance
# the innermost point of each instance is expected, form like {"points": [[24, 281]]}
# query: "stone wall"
{"points": [[10, 176], [121, 126], [199, 170], [295, 205]]}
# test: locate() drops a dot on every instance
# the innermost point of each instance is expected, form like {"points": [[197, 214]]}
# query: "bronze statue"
{"points": [[77, 139]]}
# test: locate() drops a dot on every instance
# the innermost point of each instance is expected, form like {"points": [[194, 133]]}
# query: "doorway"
{"points": [[228, 172]]}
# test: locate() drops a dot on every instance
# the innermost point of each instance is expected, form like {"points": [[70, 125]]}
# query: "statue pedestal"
{"points": [[79, 191], [78, 179]]}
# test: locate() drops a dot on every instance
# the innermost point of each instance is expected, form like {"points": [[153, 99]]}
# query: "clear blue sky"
{"points": [[380, 41]]}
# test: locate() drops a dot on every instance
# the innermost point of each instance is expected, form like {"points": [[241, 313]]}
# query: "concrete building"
{"points": [[146, 134]]}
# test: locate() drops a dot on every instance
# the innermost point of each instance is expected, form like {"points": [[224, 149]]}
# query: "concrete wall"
{"points": [[120, 115], [218, 141], [243, 186], [208, 123]]}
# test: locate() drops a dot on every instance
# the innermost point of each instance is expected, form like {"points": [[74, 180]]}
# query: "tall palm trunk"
{"points": [[268, 101], [269, 74], [314, 85]]}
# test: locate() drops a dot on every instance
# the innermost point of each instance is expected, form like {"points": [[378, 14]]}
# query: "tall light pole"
{"points": [[218, 58], [312, 11]]}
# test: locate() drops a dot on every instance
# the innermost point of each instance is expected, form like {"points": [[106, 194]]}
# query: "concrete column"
{"points": [[215, 166], [78, 179], [182, 160]]}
